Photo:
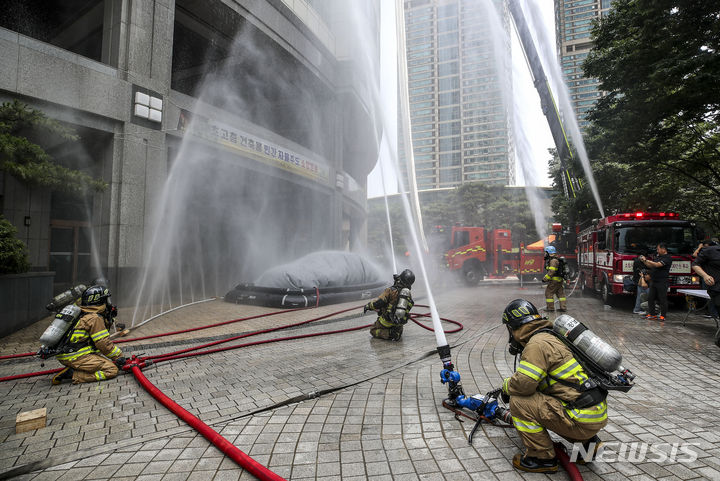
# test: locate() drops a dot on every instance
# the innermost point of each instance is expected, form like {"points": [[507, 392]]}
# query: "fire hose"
{"points": [[135, 364], [242, 459], [413, 316]]}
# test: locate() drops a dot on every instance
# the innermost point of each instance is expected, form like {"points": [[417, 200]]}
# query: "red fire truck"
{"points": [[475, 252], [607, 249]]}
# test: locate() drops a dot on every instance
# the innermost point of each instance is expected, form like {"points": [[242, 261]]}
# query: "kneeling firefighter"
{"points": [[393, 307], [549, 391], [86, 338]]}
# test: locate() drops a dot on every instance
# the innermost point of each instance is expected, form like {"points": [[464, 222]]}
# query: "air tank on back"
{"points": [[65, 298], [63, 321], [595, 348]]}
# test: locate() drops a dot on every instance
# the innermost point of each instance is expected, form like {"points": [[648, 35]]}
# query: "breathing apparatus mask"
{"points": [[109, 314], [514, 347]]}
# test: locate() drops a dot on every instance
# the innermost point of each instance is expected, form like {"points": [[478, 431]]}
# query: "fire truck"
{"points": [[607, 249], [476, 252]]}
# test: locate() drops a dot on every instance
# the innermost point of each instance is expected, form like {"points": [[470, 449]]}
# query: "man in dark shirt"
{"points": [[658, 281], [707, 266]]}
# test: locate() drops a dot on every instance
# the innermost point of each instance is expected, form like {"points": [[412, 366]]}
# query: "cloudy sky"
{"points": [[535, 125]]}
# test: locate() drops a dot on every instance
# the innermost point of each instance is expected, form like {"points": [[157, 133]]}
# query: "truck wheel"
{"points": [[605, 293], [472, 275]]}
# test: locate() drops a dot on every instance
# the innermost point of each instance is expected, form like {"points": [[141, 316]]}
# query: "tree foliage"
{"points": [[23, 133], [13, 253], [655, 138]]}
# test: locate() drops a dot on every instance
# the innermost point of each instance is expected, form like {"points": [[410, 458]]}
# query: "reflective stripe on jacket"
{"points": [[552, 267], [89, 336], [385, 306], [544, 361]]}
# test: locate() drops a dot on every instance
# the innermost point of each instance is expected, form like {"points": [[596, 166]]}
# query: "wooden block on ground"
{"points": [[122, 333], [29, 420]]}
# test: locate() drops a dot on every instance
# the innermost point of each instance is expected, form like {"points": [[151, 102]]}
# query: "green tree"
{"points": [[23, 133], [655, 137], [13, 253]]}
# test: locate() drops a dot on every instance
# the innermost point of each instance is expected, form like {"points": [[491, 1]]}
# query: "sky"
{"points": [[535, 124]]}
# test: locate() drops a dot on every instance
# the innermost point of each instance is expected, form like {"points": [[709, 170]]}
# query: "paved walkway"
{"points": [[381, 415]]}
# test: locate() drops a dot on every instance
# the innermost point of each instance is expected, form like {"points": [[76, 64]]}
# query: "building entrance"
{"points": [[70, 253]]}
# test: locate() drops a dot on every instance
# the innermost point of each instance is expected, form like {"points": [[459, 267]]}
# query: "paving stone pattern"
{"points": [[382, 421]]}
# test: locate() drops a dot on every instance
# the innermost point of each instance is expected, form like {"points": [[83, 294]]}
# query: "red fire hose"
{"points": [[570, 468], [163, 334], [245, 461], [30, 374]]}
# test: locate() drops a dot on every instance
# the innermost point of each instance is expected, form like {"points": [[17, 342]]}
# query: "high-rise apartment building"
{"points": [[460, 127], [573, 22]]}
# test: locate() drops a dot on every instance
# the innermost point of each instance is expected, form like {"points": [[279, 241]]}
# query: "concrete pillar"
{"points": [[140, 39]]}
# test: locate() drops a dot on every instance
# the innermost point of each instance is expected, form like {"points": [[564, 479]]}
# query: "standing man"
{"points": [[393, 307], [658, 281], [88, 339], [712, 308], [707, 266], [641, 287], [555, 278]]}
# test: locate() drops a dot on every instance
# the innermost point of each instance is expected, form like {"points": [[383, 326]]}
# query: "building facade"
{"points": [[461, 128], [573, 22], [269, 91]]}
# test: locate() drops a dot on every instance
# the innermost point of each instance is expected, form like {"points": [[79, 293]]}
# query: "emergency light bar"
{"points": [[647, 215]]}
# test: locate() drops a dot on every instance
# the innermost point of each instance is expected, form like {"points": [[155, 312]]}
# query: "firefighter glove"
{"points": [[120, 362], [505, 397], [367, 308]]}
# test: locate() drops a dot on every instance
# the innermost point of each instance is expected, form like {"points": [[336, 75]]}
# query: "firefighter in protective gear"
{"points": [[393, 307], [555, 278], [549, 391], [88, 339]]}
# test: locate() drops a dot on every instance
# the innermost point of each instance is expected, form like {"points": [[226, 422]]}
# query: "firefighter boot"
{"points": [[563, 304], [65, 374], [535, 465], [592, 447], [550, 306]]}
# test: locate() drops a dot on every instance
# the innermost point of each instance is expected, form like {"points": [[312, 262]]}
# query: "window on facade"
{"points": [[445, 69], [449, 83], [449, 10], [449, 143], [445, 54], [421, 68], [449, 175], [447, 39], [449, 113], [449, 128], [450, 159], [74, 26], [447, 25], [449, 98]]}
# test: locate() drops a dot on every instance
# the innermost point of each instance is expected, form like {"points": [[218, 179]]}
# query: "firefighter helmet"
{"points": [[406, 278], [95, 296], [519, 312], [550, 250]]}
